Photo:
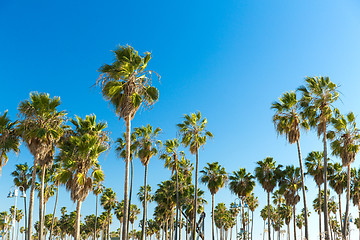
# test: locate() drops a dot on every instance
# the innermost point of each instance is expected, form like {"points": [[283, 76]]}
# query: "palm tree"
{"points": [[9, 140], [127, 84], [337, 180], [288, 121], [80, 154], [278, 200], [267, 174], [119, 210], [242, 184], [147, 145], [22, 179], [98, 188], [264, 214], [289, 184], [56, 170], [318, 96], [315, 168], [108, 202], [194, 135], [40, 127], [171, 157], [215, 177], [286, 214], [134, 211], [355, 190], [253, 203], [346, 145]]}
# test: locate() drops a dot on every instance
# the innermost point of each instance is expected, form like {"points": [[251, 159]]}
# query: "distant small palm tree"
{"points": [[98, 188], [215, 177], [253, 203], [108, 202]]}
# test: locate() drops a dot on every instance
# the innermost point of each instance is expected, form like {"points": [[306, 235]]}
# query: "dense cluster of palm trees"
{"points": [[127, 85]]}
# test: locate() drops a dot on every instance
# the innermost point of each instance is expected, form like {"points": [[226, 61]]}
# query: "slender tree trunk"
{"points": [[41, 205], [166, 230], [26, 226], [242, 218], [288, 229], [31, 201], [126, 184], [53, 216], [268, 200], [131, 187], [294, 219], [177, 205], [263, 231], [303, 190], [196, 193], [319, 197], [326, 228], [77, 222], [212, 216], [341, 224], [143, 230], [96, 210], [252, 224], [180, 227], [345, 229]]}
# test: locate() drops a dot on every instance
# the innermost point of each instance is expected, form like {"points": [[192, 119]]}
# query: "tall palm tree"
{"points": [[80, 154], [253, 203], [288, 121], [126, 83], [242, 184], [171, 156], [9, 140], [98, 188], [317, 97], [40, 127], [289, 185], [147, 145], [315, 168], [337, 180], [194, 135], [22, 179], [267, 174], [108, 202], [215, 177], [346, 145]]}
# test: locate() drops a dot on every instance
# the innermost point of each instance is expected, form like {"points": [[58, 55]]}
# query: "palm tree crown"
{"points": [[214, 176]]}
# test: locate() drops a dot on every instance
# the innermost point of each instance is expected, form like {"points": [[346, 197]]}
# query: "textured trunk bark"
{"points": [[326, 222], [126, 184], [143, 230], [212, 216], [31, 201], [268, 200], [319, 197], [303, 190], [53, 216], [345, 229], [41, 205], [166, 230], [77, 222], [196, 193]]}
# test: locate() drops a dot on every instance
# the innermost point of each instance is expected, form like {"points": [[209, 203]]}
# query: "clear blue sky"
{"points": [[229, 60]]}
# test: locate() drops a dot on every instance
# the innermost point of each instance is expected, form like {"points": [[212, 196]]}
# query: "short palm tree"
{"points": [[317, 97], [134, 212], [80, 152], [215, 177], [119, 210], [194, 135], [40, 127], [252, 203], [147, 146], [126, 84], [98, 188], [315, 168], [242, 184], [108, 202], [346, 145], [288, 121], [9, 140], [267, 174]]}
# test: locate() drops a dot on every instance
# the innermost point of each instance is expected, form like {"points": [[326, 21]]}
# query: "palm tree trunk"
{"points": [[143, 232], [319, 197], [303, 190], [177, 205], [196, 193], [53, 216], [326, 228], [263, 232], [126, 184], [294, 219], [25, 217], [31, 201], [108, 232], [252, 224], [77, 222], [166, 230], [340, 212], [242, 218], [180, 227], [96, 210], [268, 200], [344, 229], [212, 216], [41, 205], [131, 187], [288, 230]]}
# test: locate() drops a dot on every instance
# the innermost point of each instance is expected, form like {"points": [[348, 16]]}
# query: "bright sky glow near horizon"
{"points": [[228, 59]]}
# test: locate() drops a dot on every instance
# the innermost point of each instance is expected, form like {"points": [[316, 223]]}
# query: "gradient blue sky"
{"points": [[230, 60]]}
